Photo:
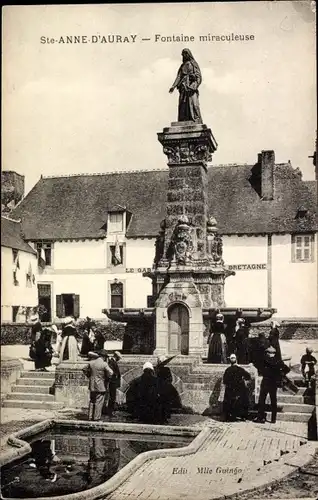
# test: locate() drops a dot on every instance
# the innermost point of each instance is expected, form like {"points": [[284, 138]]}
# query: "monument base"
{"points": [[198, 384]]}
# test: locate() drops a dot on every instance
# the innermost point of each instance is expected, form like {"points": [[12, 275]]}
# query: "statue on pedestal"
{"points": [[187, 82]]}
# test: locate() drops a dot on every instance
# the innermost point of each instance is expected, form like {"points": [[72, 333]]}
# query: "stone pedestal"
{"points": [[188, 274]]}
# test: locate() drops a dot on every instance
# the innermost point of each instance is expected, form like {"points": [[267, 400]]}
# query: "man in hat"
{"points": [[114, 382], [273, 372], [99, 373], [236, 395]]}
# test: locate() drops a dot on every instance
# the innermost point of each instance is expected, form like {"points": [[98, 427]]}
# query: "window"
{"points": [[16, 266], [116, 254], [302, 247], [46, 254], [116, 222], [67, 304], [15, 310], [116, 295], [44, 301], [14, 255]]}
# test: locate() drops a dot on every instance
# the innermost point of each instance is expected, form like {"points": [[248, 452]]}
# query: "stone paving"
{"points": [[233, 459]]}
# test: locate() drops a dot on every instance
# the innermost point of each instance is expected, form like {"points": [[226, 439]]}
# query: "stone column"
{"points": [[188, 147]]}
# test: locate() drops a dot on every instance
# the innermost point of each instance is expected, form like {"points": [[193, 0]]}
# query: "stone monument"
{"points": [[188, 273]]}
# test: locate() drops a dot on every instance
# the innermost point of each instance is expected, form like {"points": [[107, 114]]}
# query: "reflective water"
{"points": [[63, 463]]}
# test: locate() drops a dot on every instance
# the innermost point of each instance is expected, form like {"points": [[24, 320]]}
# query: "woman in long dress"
{"points": [[88, 337], [217, 342], [187, 82], [241, 342], [69, 347], [43, 350]]}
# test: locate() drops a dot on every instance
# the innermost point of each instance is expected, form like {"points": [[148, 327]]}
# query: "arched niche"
{"points": [[178, 328]]}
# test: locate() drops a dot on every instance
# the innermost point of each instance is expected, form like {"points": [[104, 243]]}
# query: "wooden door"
{"points": [[178, 329]]}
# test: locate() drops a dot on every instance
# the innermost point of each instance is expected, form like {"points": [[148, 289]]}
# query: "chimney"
{"points": [[266, 160], [12, 189]]}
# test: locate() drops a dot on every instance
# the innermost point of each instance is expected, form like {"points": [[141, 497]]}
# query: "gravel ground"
{"points": [[300, 484]]}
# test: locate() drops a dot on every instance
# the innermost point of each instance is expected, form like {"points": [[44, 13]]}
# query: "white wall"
{"points": [[294, 283], [21, 295], [81, 268], [248, 288], [140, 253], [90, 254]]}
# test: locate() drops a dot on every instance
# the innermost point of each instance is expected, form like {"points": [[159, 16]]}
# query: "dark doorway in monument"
{"points": [[178, 317]]}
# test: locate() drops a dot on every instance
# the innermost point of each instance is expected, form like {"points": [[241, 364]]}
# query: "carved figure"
{"points": [[214, 241], [160, 242], [187, 82], [182, 240]]}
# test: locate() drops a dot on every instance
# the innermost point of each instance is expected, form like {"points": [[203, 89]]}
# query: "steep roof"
{"points": [[76, 206], [11, 236]]}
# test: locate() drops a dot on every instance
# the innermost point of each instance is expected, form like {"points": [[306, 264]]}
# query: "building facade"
{"points": [[95, 236], [19, 293]]}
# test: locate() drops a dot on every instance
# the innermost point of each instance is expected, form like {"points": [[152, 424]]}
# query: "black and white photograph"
{"points": [[159, 248]]}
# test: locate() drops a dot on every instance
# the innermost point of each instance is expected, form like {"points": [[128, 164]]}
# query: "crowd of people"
{"points": [[224, 340], [267, 359], [69, 345], [151, 397]]}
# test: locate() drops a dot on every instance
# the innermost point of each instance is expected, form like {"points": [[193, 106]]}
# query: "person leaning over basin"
{"points": [[98, 373]]}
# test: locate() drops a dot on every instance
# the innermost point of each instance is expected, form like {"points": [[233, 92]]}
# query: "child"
{"points": [[308, 362]]}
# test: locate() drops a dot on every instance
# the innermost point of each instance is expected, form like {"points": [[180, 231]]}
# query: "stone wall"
{"points": [[10, 370], [289, 330], [198, 385]]}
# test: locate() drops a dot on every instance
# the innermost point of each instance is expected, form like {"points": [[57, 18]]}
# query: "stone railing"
{"points": [[10, 370], [290, 329]]}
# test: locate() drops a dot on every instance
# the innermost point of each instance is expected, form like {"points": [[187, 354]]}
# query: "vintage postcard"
{"points": [[159, 236]]}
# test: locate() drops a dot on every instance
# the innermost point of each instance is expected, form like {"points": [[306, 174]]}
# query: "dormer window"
{"points": [[116, 222], [301, 212]]}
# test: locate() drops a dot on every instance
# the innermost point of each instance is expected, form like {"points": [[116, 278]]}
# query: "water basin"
{"points": [[64, 461]]}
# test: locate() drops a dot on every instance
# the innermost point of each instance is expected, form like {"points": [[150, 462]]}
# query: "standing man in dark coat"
{"points": [[236, 395], [99, 374], [273, 372], [114, 382], [261, 344]]}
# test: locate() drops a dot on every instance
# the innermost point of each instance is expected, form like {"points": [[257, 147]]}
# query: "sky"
{"points": [[97, 107]]}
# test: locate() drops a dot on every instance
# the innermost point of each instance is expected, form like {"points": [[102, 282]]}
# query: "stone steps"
{"points": [[21, 396], [296, 408], [48, 382], [31, 405], [284, 398], [37, 375], [291, 416], [32, 391]]}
